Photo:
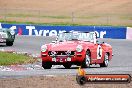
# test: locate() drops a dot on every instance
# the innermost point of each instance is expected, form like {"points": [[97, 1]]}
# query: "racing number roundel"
{"points": [[99, 52]]}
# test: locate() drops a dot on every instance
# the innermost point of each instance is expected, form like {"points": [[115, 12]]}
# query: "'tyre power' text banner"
{"points": [[42, 30]]}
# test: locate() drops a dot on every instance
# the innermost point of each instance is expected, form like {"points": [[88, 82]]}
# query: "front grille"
{"points": [[59, 53]]}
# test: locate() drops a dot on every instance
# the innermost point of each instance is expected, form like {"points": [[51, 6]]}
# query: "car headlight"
{"points": [[3, 35], [79, 48], [43, 48], [12, 32]]}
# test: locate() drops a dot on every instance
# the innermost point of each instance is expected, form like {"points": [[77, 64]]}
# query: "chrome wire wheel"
{"points": [[86, 62], [106, 60]]}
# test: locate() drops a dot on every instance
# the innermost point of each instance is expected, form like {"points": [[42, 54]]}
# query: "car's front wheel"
{"points": [[46, 65], [106, 61], [9, 43], [86, 62]]}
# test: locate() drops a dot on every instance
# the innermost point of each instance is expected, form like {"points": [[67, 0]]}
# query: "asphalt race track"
{"points": [[121, 62]]}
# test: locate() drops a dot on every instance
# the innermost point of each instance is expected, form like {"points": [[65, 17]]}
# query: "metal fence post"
{"points": [[5, 15], [72, 17]]}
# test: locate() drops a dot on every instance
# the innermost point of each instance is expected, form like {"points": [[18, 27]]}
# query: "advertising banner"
{"points": [[42, 30], [129, 33]]}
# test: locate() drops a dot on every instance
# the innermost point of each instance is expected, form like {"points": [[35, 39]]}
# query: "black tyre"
{"points": [[9, 43], [106, 61], [46, 65], [86, 62], [67, 66]]}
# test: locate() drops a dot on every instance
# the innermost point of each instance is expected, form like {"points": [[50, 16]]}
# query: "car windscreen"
{"points": [[76, 36]]}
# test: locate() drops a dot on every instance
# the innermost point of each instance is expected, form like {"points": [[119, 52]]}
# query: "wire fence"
{"points": [[40, 16]]}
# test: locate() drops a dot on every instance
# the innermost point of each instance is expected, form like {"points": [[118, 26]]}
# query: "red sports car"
{"points": [[78, 48]]}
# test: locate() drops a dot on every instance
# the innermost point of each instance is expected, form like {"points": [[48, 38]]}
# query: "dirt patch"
{"points": [[98, 12], [53, 82], [59, 6]]}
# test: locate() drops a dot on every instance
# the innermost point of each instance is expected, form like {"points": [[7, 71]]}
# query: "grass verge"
{"points": [[13, 59], [38, 16], [60, 24]]}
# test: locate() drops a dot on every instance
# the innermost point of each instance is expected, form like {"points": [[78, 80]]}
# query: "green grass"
{"points": [[72, 22], [59, 24], [40, 16], [12, 59], [126, 17], [89, 17], [57, 17], [20, 15], [53, 17], [47, 24]]}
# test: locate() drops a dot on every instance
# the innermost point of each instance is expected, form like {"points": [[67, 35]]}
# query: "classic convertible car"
{"points": [[7, 36], [78, 48]]}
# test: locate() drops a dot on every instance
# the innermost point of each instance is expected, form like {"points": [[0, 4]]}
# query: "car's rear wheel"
{"points": [[67, 66], [86, 62], [9, 43], [46, 65], [106, 61]]}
